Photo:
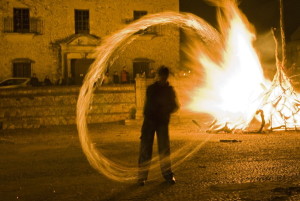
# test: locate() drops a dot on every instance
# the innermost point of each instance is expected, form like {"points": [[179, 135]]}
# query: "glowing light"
{"points": [[104, 56], [281, 104], [234, 89]]}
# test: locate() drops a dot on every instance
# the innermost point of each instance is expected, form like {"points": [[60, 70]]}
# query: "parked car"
{"points": [[16, 82]]}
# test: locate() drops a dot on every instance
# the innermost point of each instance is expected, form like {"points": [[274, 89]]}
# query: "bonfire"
{"points": [[236, 91]]}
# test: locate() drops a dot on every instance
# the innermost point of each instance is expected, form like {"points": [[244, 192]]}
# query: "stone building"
{"points": [[57, 38]]}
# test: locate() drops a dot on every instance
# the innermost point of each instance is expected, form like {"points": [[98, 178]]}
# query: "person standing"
{"points": [[115, 78], [124, 76], [47, 81], [160, 103], [34, 80]]}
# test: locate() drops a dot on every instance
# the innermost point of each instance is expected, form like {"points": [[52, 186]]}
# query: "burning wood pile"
{"points": [[281, 102], [236, 91]]}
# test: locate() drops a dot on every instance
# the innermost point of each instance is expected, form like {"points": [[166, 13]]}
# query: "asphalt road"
{"points": [[48, 164]]}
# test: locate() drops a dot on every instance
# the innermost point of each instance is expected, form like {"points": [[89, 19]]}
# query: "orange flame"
{"points": [[234, 86]]}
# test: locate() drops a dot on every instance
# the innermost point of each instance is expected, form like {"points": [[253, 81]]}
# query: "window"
{"points": [[22, 69], [82, 25], [21, 20], [138, 14]]}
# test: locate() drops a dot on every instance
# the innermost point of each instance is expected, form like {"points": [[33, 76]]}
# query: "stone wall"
{"points": [[35, 107], [42, 106]]}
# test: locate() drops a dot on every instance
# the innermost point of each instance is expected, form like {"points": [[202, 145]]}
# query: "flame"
{"points": [[234, 91], [235, 85], [235, 88]]}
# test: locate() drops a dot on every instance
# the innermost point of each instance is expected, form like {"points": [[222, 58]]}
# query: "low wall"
{"points": [[37, 107]]}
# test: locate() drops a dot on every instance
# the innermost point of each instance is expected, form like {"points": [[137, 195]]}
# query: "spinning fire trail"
{"points": [[234, 89]]}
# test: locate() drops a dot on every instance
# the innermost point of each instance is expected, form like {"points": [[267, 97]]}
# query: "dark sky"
{"points": [[264, 14]]}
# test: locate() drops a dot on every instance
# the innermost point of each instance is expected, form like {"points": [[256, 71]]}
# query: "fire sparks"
{"points": [[111, 46], [235, 87], [234, 90]]}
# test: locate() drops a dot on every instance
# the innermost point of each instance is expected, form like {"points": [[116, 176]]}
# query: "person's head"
{"points": [[163, 74], [33, 75]]}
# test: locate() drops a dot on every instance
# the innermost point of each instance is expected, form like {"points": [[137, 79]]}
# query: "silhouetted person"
{"points": [[47, 81], [160, 103], [34, 80], [116, 79], [124, 76]]}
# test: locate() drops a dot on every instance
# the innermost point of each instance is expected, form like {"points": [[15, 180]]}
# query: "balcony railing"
{"points": [[35, 26]]}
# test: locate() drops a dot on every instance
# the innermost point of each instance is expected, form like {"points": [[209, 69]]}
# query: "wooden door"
{"points": [[140, 68], [79, 68]]}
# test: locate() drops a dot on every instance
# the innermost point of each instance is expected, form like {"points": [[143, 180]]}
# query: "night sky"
{"points": [[264, 14]]}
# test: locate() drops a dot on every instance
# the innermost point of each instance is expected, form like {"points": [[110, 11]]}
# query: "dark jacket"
{"points": [[160, 102]]}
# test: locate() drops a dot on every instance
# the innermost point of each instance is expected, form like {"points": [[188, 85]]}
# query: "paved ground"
{"points": [[48, 164]]}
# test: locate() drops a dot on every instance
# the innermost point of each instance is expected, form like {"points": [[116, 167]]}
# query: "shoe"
{"points": [[171, 180], [141, 182]]}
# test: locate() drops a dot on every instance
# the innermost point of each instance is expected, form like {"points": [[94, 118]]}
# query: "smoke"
{"points": [[265, 47]]}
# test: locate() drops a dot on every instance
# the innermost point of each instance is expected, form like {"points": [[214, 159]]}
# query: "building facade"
{"points": [[58, 38]]}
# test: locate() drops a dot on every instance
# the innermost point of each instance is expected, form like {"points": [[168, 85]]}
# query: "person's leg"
{"points": [[164, 151], [146, 145]]}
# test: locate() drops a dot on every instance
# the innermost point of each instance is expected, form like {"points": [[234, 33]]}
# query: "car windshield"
{"points": [[12, 82]]}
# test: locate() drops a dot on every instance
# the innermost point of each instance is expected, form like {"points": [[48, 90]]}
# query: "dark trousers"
{"points": [[148, 131]]}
